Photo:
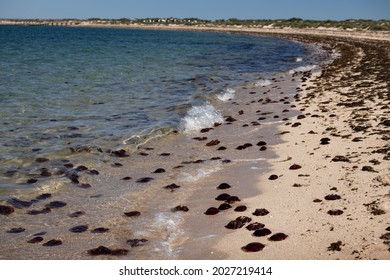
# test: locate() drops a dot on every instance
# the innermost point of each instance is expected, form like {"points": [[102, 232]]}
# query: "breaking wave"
{"points": [[198, 174], [226, 95], [303, 69], [263, 83], [199, 117], [135, 141]]}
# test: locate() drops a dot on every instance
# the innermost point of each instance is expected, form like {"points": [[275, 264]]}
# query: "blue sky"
{"points": [[205, 9]]}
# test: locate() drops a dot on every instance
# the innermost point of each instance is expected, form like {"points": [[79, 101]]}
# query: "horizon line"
{"points": [[195, 18]]}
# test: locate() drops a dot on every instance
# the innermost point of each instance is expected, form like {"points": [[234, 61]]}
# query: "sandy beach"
{"points": [[330, 195], [335, 203], [358, 34], [302, 159]]}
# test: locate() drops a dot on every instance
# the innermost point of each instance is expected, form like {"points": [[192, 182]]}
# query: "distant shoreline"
{"points": [[380, 30]]}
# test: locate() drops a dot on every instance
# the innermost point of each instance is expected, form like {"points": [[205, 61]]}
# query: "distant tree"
{"points": [[294, 19], [124, 20]]}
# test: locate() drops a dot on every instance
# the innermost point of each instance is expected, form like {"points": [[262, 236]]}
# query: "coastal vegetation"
{"points": [[376, 25]]}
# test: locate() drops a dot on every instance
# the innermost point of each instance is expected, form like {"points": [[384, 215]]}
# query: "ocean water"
{"points": [[71, 98], [67, 88]]}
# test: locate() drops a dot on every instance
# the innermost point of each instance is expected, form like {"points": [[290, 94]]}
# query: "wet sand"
{"points": [[152, 202], [329, 197]]}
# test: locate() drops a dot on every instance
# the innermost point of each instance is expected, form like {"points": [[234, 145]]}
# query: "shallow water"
{"points": [[69, 117], [66, 88]]}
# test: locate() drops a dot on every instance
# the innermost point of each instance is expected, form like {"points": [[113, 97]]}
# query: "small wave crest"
{"points": [[199, 117], [173, 235], [298, 59], [263, 83], [138, 140], [303, 69], [166, 227], [226, 95], [198, 174]]}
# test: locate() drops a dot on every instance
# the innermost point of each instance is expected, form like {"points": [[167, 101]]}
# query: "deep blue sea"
{"points": [[63, 88]]}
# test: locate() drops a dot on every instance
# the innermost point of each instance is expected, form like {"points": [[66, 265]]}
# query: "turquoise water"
{"points": [[65, 88]]}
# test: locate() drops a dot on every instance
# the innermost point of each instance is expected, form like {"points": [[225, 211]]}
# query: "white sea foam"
{"points": [[250, 160], [263, 83], [303, 69], [132, 143], [226, 95], [173, 232], [199, 117], [198, 174], [298, 59], [272, 122], [166, 226]]}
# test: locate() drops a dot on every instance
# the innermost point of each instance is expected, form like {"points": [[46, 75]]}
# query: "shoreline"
{"points": [[262, 110], [287, 30], [318, 32], [338, 201], [322, 113], [336, 205], [336, 32]]}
